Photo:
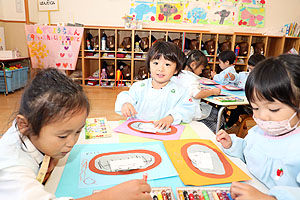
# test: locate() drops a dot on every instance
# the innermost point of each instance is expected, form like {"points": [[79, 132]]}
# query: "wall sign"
{"points": [[47, 5]]}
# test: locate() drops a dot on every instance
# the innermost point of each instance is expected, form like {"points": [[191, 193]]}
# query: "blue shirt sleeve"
{"points": [[237, 147], [285, 192], [130, 96], [184, 111]]}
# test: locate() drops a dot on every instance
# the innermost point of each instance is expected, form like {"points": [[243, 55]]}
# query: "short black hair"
{"points": [[255, 58], [196, 56], [169, 51], [276, 78], [51, 96], [227, 55]]}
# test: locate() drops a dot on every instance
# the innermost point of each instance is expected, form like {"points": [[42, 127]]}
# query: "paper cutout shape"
{"points": [[222, 14], [254, 17], [132, 127], [196, 13], [229, 99], [224, 170], [169, 12], [107, 163]]}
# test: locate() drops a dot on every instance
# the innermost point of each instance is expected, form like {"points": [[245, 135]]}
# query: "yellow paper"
{"points": [[191, 175]]}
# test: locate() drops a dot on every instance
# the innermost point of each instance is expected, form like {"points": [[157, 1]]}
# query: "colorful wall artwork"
{"points": [[216, 12], [196, 13], [53, 46], [145, 11], [2, 39], [253, 17], [169, 12]]}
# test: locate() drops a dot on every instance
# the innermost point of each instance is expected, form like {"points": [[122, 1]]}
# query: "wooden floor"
{"points": [[102, 102]]}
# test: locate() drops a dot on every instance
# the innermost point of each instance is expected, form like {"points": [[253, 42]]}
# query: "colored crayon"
{"points": [[180, 194], [159, 196], [191, 196], [164, 195], [196, 195], [215, 195], [205, 195], [169, 195], [186, 195]]}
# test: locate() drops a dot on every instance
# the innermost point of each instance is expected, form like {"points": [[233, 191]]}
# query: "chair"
{"points": [[242, 132]]}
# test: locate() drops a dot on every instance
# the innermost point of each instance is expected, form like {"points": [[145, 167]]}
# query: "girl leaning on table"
{"points": [[271, 148], [159, 98], [53, 110], [189, 78]]}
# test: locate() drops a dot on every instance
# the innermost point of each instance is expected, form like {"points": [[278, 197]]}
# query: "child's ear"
{"points": [[193, 65], [227, 62], [22, 124]]}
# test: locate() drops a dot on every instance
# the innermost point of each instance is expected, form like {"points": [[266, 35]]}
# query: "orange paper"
{"points": [[190, 175]]}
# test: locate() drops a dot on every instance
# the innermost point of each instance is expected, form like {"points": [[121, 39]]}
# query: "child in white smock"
{"points": [[159, 98], [271, 148], [53, 110]]}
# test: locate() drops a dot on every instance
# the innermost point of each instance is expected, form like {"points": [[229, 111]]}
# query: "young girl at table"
{"points": [[159, 98], [52, 112], [189, 78], [228, 74], [271, 148]]}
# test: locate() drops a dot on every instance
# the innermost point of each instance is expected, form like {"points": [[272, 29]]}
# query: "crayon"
{"points": [[215, 196], [229, 196], [159, 196], [196, 195], [169, 194], [191, 196], [186, 195], [210, 195], [145, 177], [164, 195], [180, 195], [224, 195], [205, 195]]}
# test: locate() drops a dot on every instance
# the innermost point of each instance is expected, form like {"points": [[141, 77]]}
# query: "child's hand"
{"points": [[223, 137], [164, 123], [130, 190], [243, 191], [216, 91], [128, 110], [213, 73], [231, 76]]}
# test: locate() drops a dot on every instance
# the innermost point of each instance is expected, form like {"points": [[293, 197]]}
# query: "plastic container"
{"points": [[15, 79]]}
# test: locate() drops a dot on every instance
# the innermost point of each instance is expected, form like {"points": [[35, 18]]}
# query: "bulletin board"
{"points": [[53, 46], [249, 13]]}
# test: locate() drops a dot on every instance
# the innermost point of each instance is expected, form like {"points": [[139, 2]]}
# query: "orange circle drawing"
{"points": [[173, 129], [226, 164], [98, 171]]}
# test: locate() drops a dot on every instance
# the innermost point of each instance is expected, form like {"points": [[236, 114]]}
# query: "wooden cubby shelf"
{"points": [[114, 48]]}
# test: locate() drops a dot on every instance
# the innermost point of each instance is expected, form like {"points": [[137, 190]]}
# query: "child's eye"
{"points": [[155, 63], [62, 137], [78, 131], [254, 108], [274, 110], [168, 65]]}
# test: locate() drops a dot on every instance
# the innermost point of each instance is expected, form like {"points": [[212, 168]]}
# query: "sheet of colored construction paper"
{"points": [[225, 171]]}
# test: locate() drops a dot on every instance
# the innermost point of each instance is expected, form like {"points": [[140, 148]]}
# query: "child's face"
{"points": [[197, 69], [58, 138], [224, 65], [161, 71], [273, 111]]}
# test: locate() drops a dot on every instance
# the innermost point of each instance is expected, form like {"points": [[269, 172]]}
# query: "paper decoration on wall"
{"points": [[169, 12], [145, 11], [196, 13], [53, 46], [2, 39], [141, 128], [217, 12], [254, 17], [201, 162], [221, 14]]}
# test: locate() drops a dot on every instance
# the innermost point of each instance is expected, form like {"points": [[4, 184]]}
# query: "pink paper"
{"points": [[53, 46], [228, 87], [127, 128], [208, 82]]}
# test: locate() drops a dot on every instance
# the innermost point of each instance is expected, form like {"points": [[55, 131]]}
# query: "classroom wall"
{"points": [[9, 11], [100, 13], [1, 8]]}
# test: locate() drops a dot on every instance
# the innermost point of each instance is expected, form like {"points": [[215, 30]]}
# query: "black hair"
{"points": [[196, 56], [255, 58], [227, 55], [169, 51], [276, 78], [50, 97]]}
